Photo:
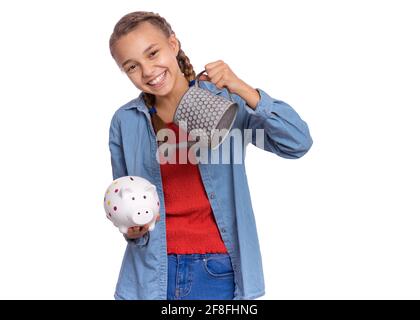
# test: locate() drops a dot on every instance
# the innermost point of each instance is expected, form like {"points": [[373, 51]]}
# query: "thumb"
{"points": [[204, 77]]}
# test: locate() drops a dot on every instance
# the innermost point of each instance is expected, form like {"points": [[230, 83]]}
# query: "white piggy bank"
{"points": [[131, 201]]}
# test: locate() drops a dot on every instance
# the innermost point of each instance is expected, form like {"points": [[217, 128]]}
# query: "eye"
{"points": [[144, 197], [153, 53], [131, 68]]}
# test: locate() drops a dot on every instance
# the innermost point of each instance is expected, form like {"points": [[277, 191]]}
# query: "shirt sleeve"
{"points": [[285, 133], [118, 165], [116, 148]]}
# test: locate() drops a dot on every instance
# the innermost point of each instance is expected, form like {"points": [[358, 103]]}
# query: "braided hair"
{"points": [[130, 21]]}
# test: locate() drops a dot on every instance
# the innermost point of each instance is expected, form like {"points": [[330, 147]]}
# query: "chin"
{"points": [[165, 91]]}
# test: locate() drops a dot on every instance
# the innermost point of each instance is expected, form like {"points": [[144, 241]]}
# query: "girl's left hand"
{"points": [[222, 76]]}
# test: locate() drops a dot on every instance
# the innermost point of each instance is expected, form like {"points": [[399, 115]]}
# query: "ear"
{"points": [[174, 43]]}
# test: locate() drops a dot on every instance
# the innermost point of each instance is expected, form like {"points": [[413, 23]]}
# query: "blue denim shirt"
{"points": [[133, 147]]}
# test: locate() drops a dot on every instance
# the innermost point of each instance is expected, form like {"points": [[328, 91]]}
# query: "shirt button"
{"points": [[211, 195], [223, 230]]}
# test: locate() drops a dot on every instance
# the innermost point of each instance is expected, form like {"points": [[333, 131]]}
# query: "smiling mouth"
{"points": [[158, 81]]}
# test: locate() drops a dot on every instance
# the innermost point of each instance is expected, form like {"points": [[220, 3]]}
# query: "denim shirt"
{"points": [[133, 146]]}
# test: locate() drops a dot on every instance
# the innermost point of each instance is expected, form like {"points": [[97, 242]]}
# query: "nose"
{"points": [[148, 72]]}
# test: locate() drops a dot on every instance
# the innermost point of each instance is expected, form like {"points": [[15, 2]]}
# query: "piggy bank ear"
{"points": [[124, 192], [151, 188]]}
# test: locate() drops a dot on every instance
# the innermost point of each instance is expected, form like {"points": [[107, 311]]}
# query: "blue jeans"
{"points": [[200, 277]]}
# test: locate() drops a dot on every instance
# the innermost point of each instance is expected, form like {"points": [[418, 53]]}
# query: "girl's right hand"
{"points": [[138, 231]]}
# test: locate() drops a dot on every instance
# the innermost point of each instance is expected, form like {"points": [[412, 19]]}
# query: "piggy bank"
{"points": [[131, 201]]}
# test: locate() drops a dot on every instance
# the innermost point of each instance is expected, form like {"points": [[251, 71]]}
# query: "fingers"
{"points": [[131, 232], [137, 231], [214, 64]]}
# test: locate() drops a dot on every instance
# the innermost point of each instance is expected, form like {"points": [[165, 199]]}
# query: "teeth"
{"points": [[157, 79]]}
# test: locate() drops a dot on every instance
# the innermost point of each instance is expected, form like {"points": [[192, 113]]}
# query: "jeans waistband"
{"points": [[197, 256]]}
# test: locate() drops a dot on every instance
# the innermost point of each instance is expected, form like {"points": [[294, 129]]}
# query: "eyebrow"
{"points": [[147, 49]]}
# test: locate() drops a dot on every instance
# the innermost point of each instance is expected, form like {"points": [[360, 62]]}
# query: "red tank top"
{"points": [[190, 223]]}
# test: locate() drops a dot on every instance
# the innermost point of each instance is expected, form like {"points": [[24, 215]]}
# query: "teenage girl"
{"points": [[205, 245]]}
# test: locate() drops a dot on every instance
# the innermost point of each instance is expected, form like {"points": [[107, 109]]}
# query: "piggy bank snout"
{"points": [[142, 216]]}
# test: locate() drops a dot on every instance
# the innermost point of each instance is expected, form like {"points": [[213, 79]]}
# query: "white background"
{"points": [[340, 223]]}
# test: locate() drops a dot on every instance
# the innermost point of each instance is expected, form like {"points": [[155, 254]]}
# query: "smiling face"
{"points": [[148, 57]]}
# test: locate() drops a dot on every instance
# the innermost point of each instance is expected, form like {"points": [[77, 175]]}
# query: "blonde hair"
{"points": [[130, 21]]}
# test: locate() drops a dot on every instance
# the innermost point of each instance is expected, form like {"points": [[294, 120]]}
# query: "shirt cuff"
{"points": [[139, 241]]}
